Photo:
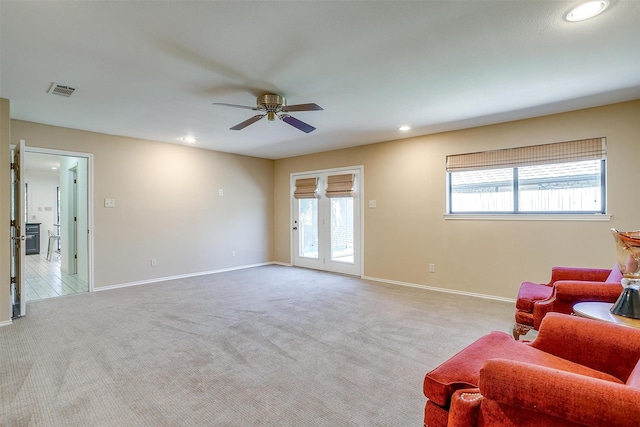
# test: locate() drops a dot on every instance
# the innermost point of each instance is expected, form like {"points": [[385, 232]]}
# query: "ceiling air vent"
{"points": [[61, 90]]}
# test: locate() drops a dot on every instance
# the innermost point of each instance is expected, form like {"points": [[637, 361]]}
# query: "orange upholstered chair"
{"points": [[576, 372], [519, 394], [567, 287]]}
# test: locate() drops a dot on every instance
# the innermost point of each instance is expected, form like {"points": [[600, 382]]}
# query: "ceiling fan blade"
{"points": [[246, 107], [302, 107], [304, 127], [247, 122]]}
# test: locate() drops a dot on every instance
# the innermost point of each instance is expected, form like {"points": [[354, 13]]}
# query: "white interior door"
{"points": [[70, 215], [18, 238], [327, 230]]}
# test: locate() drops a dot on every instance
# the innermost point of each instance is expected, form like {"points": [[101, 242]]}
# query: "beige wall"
{"points": [[167, 204], [168, 207], [5, 195], [407, 229]]}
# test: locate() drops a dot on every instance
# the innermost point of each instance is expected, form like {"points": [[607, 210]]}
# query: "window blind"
{"points": [[559, 152], [340, 185], [306, 188]]}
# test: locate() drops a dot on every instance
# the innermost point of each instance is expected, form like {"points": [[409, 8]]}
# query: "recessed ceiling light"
{"points": [[54, 168], [587, 10], [404, 128], [188, 139]]}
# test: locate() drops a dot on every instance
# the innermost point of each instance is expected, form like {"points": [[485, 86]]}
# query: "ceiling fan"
{"points": [[272, 106]]}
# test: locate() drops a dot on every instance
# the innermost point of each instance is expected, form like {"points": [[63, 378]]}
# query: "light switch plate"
{"points": [[372, 203], [109, 203]]}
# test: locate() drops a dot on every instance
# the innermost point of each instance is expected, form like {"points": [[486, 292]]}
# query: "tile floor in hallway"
{"points": [[43, 279]]}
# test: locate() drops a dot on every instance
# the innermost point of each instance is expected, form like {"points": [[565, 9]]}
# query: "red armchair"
{"points": [[517, 394], [576, 372], [567, 287]]}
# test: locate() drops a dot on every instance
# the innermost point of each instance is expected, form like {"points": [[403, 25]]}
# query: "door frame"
{"points": [[18, 232], [359, 200], [90, 204], [72, 236]]}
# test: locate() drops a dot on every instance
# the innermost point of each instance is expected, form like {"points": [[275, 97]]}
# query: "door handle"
{"points": [[295, 228]]}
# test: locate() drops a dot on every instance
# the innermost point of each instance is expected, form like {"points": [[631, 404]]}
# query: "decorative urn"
{"points": [[628, 259]]}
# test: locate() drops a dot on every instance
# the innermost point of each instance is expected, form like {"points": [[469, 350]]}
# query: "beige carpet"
{"points": [[267, 346]]}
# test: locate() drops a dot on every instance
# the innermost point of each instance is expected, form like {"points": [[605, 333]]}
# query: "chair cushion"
{"points": [[529, 293], [615, 275], [463, 369]]}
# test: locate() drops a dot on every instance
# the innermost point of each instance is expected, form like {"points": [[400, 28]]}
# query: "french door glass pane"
{"points": [[308, 228], [342, 229]]}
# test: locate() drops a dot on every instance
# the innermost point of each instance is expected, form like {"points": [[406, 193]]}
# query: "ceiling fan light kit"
{"points": [[272, 106]]}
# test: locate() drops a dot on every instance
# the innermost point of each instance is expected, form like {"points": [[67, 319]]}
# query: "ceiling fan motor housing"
{"points": [[271, 103]]}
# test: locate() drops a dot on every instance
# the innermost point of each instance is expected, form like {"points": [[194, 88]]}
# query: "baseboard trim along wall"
{"points": [[242, 267], [180, 276], [284, 264], [436, 289]]}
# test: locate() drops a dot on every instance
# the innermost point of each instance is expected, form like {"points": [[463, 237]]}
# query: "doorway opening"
{"points": [[326, 211], [57, 206]]}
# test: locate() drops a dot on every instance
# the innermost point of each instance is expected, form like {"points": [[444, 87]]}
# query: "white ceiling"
{"points": [[42, 162], [152, 69]]}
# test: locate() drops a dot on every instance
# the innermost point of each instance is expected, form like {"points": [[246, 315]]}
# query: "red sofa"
{"points": [[577, 372], [568, 286]]}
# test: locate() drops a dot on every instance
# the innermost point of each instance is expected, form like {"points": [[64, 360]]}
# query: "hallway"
{"points": [[43, 278]]}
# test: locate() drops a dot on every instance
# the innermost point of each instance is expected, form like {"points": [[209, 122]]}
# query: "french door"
{"points": [[326, 220], [18, 238]]}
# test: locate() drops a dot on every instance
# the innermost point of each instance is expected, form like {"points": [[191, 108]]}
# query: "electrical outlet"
{"points": [[233, 253], [154, 262], [432, 268]]}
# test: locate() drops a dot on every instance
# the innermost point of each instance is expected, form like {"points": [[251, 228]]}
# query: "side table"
{"points": [[600, 311]]}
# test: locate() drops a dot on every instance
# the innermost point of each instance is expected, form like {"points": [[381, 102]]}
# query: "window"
{"points": [[566, 177]]}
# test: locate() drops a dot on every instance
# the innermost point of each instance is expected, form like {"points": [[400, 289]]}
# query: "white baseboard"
{"points": [[242, 267], [6, 323], [436, 289], [180, 276], [284, 264]]}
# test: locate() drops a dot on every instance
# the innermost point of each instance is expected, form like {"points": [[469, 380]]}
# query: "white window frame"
{"points": [[514, 214]]}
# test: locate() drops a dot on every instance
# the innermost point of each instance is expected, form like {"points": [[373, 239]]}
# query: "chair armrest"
{"points": [[565, 395], [578, 291], [463, 411], [603, 346], [576, 273], [567, 293]]}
